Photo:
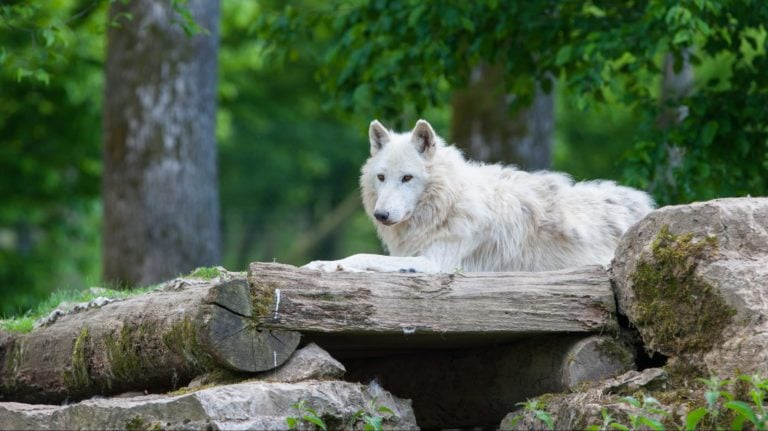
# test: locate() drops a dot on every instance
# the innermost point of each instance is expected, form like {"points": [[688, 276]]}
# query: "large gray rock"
{"points": [[251, 405], [693, 279], [309, 362]]}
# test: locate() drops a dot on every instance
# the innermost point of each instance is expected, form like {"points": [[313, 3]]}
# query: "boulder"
{"points": [[250, 405], [693, 279], [310, 362]]}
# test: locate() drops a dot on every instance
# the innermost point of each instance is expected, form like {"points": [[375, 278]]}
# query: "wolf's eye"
{"points": [[381, 177], [407, 178]]}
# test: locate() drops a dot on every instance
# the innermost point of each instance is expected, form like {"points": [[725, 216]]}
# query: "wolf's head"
{"points": [[397, 173]]}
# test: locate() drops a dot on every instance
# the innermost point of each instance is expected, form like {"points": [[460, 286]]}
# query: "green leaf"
{"points": [[375, 422], [710, 396], [42, 76], [707, 136], [652, 423], [634, 402], [693, 418], [291, 422], [681, 37], [49, 37], [468, 24], [563, 55], [22, 73], [546, 418], [315, 420], [591, 9], [743, 409], [738, 423], [515, 420], [385, 409], [619, 426]]}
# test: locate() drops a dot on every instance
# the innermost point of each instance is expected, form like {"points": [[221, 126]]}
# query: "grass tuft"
{"points": [[24, 322]]}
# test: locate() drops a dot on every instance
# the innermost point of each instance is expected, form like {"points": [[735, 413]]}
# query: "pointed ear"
{"points": [[378, 135], [423, 137]]}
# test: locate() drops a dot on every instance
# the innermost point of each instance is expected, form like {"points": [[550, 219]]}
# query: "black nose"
{"points": [[381, 215]]}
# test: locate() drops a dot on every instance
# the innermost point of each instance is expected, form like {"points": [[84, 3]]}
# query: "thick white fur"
{"points": [[455, 214]]}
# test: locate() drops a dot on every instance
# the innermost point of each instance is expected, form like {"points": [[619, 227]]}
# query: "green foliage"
{"points": [[649, 413], [372, 416], [304, 414], [286, 162], [50, 162], [608, 423], [398, 56], [536, 409], [648, 410]]}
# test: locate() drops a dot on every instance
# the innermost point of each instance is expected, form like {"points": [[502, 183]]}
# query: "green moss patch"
{"points": [[263, 295], [137, 423], [78, 377], [181, 339], [677, 311], [124, 352]]}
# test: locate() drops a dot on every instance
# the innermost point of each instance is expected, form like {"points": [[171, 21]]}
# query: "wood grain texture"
{"points": [[393, 309]]}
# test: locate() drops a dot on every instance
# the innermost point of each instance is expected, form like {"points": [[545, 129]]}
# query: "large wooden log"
{"points": [[153, 342], [363, 314]]}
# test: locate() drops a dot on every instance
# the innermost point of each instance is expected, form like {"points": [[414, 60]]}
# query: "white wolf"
{"points": [[437, 212]]}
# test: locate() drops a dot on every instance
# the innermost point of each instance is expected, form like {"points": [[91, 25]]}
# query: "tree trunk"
{"points": [[160, 189], [154, 342], [369, 314], [483, 126]]}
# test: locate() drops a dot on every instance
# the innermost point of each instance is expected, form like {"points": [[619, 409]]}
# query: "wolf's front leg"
{"points": [[375, 263]]}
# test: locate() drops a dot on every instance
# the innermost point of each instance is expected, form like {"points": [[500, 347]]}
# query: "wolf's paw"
{"points": [[331, 266], [324, 265]]}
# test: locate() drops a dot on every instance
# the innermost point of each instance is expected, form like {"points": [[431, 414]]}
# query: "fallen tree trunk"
{"points": [[363, 314], [154, 342]]}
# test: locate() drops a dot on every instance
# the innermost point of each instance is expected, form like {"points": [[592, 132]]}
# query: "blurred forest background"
{"points": [[671, 97]]}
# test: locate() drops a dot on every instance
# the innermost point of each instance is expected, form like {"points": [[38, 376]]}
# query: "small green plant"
{"points": [[755, 413], [536, 409], [751, 415], [712, 410], [372, 416], [608, 423], [649, 407], [305, 414], [206, 273]]}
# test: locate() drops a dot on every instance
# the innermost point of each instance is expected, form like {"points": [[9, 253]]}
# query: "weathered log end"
{"points": [[232, 336], [595, 358]]}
